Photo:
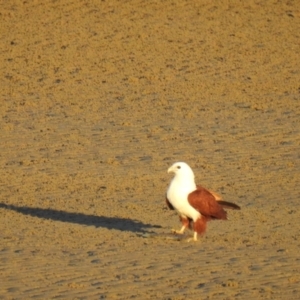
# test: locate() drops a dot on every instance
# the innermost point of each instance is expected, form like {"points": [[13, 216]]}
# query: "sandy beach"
{"points": [[99, 99]]}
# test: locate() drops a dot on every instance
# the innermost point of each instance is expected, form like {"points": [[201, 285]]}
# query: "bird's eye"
{"points": [[178, 167]]}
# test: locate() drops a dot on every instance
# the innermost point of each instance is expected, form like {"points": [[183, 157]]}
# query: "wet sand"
{"points": [[99, 98]]}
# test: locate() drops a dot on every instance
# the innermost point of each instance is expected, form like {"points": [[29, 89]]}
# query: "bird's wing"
{"points": [[204, 202], [230, 205], [217, 196], [170, 206], [224, 204]]}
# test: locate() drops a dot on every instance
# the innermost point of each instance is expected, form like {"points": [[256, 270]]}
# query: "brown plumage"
{"points": [[204, 202], [208, 204], [210, 208]]}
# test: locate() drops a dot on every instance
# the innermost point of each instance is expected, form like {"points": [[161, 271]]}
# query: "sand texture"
{"points": [[99, 98]]}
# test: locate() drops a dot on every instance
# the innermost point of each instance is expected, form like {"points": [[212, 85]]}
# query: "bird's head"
{"points": [[181, 169]]}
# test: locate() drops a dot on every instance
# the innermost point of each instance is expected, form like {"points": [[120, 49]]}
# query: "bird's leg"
{"points": [[185, 223], [194, 239], [195, 236], [181, 231], [199, 227]]}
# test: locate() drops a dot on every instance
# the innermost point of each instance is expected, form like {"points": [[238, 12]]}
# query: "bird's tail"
{"points": [[227, 204]]}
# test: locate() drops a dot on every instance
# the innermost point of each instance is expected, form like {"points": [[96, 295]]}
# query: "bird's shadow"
{"points": [[122, 224]]}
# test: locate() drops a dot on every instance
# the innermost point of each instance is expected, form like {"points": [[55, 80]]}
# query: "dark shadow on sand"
{"points": [[122, 224]]}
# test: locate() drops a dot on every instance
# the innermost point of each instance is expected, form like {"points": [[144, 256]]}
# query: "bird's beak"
{"points": [[170, 170]]}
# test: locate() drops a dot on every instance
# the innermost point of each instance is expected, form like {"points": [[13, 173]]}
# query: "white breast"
{"points": [[177, 194]]}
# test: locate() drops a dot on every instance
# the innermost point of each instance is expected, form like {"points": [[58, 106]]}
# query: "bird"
{"points": [[195, 204]]}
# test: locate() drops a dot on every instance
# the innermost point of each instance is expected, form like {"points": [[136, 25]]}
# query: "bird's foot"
{"points": [[177, 231], [194, 238], [181, 231], [191, 240]]}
